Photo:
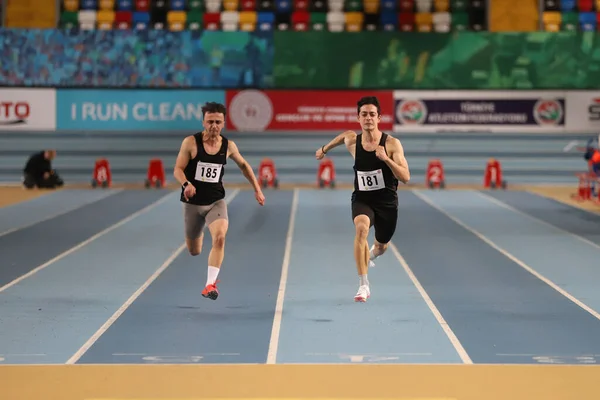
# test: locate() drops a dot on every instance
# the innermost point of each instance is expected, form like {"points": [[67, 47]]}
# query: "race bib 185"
{"points": [[208, 172], [370, 180]]}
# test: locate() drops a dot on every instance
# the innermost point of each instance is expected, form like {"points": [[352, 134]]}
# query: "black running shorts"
{"points": [[383, 218]]}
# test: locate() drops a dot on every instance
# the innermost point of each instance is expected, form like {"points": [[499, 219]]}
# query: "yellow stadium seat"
{"points": [[106, 5], [372, 6], [71, 5], [552, 20], [423, 22], [441, 5], [354, 21], [230, 5], [176, 20], [248, 21], [105, 19]]}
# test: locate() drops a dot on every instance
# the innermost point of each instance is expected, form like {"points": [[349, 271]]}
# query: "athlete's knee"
{"points": [[380, 247], [194, 247], [219, 240], [361, 224]]}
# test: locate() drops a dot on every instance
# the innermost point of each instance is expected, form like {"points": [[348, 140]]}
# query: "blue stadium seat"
{"points": [[587, 21], [567, 5], [265, 21], [124, 5], [141, 20]]}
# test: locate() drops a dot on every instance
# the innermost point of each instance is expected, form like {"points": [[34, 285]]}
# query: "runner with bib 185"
{"points": [[379, 164]]}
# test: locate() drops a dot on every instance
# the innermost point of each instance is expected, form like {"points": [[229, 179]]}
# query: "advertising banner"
{"points": [[27, 109], [481, 111], [132, 110], [583, 111], [254, 110]]}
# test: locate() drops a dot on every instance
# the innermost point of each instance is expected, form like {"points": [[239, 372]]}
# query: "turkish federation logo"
{"points": [[251, 110], [548, 112], [411, 112]]}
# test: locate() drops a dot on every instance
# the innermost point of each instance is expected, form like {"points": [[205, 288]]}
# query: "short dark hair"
{"points": [[368, 100], [213, 107]]}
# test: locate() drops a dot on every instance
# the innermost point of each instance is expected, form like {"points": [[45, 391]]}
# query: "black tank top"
{"points": [[374, 181], [205, 172]]}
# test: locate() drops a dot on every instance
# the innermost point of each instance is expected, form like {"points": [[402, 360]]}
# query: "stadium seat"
{"points": [[248, 21], [283, 6], [335, 5], [371, 22], [142, 5], [567, 5], [230, 21], [68, 19], [123, 20], [460, 21], [87, 19], [551, 5], [441, 5], [371, 6], [176, 20], [354, 21], [587, 21], [177, 5], [388, 21], [423, 21], [194, 20], [230, 5], [552, 20], [441, 22], [106, 4], [265, 5], [71, 5], [85, 5], [265, 21], [388, 5], [423, 6], [105, 19], [213, 6], [124, 5], [335, 21], [248, 5], [141, 20], [407, 6], [458, 5], [158, 17], [196, 5], [301, 20], [585, 5], [318, 21], [212, 21], [283, 22], [406, 22], [569, 21], [353, 5]]}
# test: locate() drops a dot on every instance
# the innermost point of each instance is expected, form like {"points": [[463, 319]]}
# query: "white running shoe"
{"points": [[363, 294]]}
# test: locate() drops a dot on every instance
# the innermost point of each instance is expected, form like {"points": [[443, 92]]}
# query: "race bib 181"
{"points": [[208, 172], [370, 180]]}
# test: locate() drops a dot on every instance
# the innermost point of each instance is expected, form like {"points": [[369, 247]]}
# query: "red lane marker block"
{"points": [[492, 177], [326, 173], [267, 173], [435, 176], [102, 175], [156, 173]]}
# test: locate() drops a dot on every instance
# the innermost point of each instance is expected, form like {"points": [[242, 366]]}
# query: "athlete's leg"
{"points": [[363, 219], [218, 224], [194, 221], [385, 226]]}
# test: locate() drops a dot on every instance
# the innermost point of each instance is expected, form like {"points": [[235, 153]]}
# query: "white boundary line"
{"points": [[513, 258], [437, 314], [511, 208], [274, 341], [58, 214], [86, 242], [90, 342]]}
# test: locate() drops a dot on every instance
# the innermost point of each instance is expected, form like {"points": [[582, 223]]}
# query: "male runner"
{"points": [[379, 164], [199, 169]]}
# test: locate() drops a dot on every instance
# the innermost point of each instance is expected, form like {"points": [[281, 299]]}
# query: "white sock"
{"points": [[213, 272], [363, 280]]}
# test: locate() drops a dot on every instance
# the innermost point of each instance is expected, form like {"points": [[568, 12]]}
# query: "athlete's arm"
{"points": [[246, 169], [347, 137], [182, 160], [397, 162]]}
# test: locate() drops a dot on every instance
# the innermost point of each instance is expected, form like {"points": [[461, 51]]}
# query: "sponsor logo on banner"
{"points": [[255, 110], [133, 109], [583, 111], [27, 109], [432, 111]]}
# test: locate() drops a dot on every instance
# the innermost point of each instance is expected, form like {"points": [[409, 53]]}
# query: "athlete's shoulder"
{"points": [[350, 137], [394, 141]]}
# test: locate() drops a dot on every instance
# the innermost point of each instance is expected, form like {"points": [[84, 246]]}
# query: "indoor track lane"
{"points": [[26, 249], [170, 322], [500, 312]]}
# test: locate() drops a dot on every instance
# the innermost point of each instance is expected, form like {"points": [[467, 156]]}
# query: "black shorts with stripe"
{"points": [[383, 217]]}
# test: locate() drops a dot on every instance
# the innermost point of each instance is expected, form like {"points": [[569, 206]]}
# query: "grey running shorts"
{"points": [[197, 217]]}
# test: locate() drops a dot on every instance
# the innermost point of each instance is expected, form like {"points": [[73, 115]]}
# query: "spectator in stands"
{"points": [[38, 171]]}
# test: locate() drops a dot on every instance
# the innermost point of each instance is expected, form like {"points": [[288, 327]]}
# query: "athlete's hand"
{"points": [[260, 197], [319, 154], [189, 192], [381, 154]]}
